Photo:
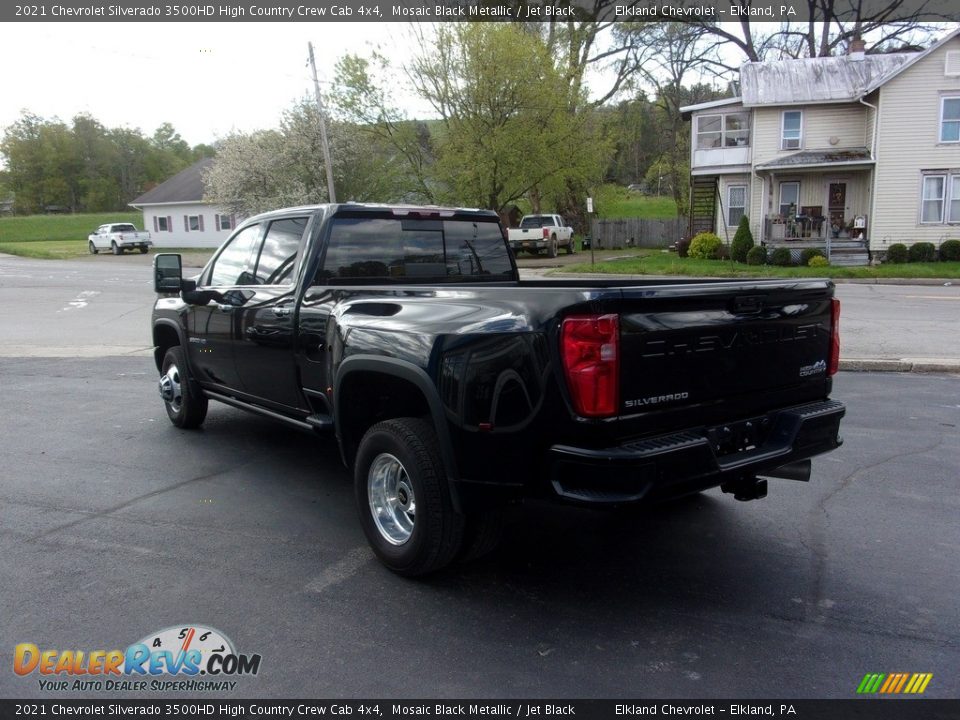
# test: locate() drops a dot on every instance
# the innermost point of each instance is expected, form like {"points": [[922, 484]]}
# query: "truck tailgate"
{"points": [[713, 347]]}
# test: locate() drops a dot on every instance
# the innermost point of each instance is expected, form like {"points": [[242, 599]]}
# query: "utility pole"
{"points": [[323, 127]]}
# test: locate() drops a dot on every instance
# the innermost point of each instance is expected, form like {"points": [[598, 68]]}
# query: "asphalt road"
{"points": [[114, 524], [100, 306]]}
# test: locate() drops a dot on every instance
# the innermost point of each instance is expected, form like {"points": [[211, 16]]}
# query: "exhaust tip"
{"points": [[799, 471]]}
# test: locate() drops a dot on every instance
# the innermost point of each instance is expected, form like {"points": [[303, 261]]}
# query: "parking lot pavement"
{"points": [[114, 524]]}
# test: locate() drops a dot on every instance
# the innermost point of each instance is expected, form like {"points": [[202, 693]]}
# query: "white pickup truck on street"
{"points": [[117, 237], [541, 232]]}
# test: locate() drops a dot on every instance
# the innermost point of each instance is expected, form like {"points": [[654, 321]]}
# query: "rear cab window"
{"points": [[413, 250]]}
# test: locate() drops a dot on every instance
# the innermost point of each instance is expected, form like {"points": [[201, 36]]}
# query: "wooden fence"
{"points": [[636, 232]]}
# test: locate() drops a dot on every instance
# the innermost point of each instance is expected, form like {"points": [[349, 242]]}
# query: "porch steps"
{"points": [[848, 253]]}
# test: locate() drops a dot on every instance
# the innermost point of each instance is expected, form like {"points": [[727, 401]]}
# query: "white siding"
{"points": [[909, 142], [845, 122], [177, 235], [723, 230]]}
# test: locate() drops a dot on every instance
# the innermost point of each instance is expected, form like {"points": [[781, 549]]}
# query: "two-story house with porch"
{"points": [[849, 154]]}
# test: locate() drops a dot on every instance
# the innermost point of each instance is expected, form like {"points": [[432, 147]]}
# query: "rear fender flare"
{"points": [[417, 377]]}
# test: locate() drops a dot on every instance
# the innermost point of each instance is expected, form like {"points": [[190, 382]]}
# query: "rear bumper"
{"points": [[532, 244], [695, 459], [135, 244]]}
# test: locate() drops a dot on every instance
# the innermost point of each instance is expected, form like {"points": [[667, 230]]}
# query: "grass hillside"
{"points": [[55, 236], [617, 202]]}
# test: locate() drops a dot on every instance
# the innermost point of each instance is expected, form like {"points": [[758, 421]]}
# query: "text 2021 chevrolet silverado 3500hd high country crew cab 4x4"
{"points": [[453, 387]]}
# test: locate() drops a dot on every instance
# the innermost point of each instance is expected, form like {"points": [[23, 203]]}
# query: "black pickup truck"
{"points": [[454, 388]]}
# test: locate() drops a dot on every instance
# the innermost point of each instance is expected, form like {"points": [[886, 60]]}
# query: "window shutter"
{"points": [[201, 223], [186, 223], [169, 223], [156, 225], [233, 221], [216, 221], [951, 65]]}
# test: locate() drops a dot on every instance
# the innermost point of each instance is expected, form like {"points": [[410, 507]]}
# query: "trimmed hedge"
{"points": [[757, 256], [818, 261], [705, 246], [809, 253], [897, 253], [781, 256], [922, 252], [950, 251]]}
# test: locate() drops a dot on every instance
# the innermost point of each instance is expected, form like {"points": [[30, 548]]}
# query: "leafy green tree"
{"points": [[507, 127]]}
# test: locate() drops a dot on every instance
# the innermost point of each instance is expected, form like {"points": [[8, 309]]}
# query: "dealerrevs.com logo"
{"points": [[179, 658]]}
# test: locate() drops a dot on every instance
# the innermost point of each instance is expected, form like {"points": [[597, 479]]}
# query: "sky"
{"points": [[206, 79]]}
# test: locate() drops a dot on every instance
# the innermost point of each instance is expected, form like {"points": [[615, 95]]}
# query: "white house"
{"points": [[853, 153], [176, 215]]}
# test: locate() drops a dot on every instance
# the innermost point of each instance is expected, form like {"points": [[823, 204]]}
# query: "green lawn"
{"points": [[667, 263], [55, 236], [621, 203]]}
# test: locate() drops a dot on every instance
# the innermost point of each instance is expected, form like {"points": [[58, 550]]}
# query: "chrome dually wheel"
{"points": [[391, 497]]}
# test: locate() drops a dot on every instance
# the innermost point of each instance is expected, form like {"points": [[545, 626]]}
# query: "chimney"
{"points": [[856, 48]]}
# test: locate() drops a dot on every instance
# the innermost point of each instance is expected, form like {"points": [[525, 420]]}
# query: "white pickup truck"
{"points": [[541, 232], [118, 237]]}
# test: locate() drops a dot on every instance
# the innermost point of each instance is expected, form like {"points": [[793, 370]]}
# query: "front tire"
{"points": [[92, 248], [403, 498], [114, 248], [184, 409], [143, 249]]}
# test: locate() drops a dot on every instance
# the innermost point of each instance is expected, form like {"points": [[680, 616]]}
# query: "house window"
{"points": [[161, 224], [736, 203], [736, 130], [931, 198], [791, 131], [709, 131], [224, 222], [951, 65], [950, 119], [789, 195], [193, 222], [730, 130]]}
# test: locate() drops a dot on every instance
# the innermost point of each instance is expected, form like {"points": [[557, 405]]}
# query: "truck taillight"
{"points": [[546, 233], [590, 345], [834, 365]]}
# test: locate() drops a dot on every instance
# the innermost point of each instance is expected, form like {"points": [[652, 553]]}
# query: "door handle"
{"points": [[283, 311]]}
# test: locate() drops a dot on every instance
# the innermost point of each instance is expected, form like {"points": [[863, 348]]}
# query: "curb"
{"points": [[903, 365]]}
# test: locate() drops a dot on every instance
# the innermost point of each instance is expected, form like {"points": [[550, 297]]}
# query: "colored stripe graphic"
{"points": [[870, 683], [894, 683]]}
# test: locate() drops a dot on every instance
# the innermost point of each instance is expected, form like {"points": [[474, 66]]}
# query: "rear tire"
{"points": [[572, 247], [114, 248], [184, 409], [92, 248], [143, 249], [403, 498]]}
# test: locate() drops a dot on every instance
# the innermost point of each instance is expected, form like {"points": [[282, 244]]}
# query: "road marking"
{"points": [[340, 571], [933, 297], [81, 300]]}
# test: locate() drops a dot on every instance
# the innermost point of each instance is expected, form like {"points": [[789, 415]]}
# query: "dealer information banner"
{"points": [[435, 10], [501, 709]]}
